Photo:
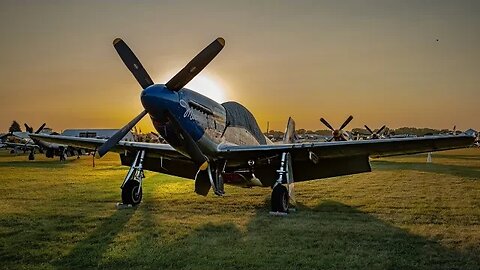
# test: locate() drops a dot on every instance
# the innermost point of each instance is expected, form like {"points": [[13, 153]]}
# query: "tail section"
{"points": [[290, 134]]}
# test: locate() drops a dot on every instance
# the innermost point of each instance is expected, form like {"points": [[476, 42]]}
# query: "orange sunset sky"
{"points": [[377, 60]]}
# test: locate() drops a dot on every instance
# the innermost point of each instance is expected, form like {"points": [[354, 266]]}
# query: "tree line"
{"points": [[398, 131]]}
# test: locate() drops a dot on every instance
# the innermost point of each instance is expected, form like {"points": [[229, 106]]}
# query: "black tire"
{"points": [[31, 156], [280, 199], [129, 193]]}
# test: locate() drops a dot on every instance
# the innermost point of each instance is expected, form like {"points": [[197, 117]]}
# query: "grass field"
{"points": [[405, 215]]}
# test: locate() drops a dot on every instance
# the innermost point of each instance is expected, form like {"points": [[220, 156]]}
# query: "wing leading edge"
{"points": [[310, 160], [152, 149], [371, 148], [328, 159]]}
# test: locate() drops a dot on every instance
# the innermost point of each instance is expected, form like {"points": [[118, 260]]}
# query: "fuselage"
{"points": [[209, 123]]}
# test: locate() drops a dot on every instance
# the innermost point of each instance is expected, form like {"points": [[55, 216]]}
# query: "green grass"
{"points": [[405, 215]]}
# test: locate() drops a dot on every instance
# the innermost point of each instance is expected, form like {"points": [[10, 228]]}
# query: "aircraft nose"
{"points": [[156, 98]]}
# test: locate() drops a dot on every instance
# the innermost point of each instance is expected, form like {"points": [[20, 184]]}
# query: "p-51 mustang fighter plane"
{"points": [[338, 134], [50, 150], [378, 134], [217, 144], [23, 142]]}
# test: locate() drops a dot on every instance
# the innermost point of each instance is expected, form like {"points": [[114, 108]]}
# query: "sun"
{"points": [[205, 84]]}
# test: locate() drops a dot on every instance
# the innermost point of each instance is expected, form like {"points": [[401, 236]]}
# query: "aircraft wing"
{"points": [[19, 145], [372, 148], [327, 159], [310, 160], [152, 149]]}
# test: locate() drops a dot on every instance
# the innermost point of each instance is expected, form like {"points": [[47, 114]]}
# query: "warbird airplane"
{"points": [[50, 150], [24, 142], [216, 143], [375, 134], [338, 134]]}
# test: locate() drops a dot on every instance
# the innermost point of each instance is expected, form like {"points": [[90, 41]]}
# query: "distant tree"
{"points": [[301, 131], [416, 131], [323, 132], [360, 131], [15, 127]]}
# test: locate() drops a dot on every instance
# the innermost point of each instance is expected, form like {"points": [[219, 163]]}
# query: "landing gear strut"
{"points": [[216, 180], [63, 154], [31, 156], [283, 196], [132, 185]]}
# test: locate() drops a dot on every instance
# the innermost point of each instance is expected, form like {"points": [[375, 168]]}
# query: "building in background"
{"points": [[96, 133]]}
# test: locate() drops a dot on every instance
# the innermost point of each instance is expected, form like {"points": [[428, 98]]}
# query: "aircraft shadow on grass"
{"points": [[455, 170], [330, 235], [89, 252]]}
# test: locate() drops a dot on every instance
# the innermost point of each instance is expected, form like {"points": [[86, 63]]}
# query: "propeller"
{"points": [[375, 135], [132, 63], [326, 124], [337, 134], [40, 128], [197, 64], [349, 119], [28, 128], [110, 143], [380, 131], [369, 130], [191, 147]]}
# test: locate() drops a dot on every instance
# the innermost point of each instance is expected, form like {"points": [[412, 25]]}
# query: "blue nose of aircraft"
{"points": [[156, 99]]}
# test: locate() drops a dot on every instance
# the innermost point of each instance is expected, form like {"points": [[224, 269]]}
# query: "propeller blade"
{"points": [[369, 130], [326, 124], [110, 143], [197, 64], [28, 128], [346, 122], [40, 128], [381, 129], [132, 63], [192, 148]]}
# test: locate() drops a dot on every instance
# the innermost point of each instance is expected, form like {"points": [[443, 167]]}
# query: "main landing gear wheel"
{"points": [[130, 193], [280, 199], [31, 156]]}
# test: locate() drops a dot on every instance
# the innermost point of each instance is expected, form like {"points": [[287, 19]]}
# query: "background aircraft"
{"points": [[338, 134], [21, 141], [290, 135], [375, 134], [50, 150], [216, 143]]}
